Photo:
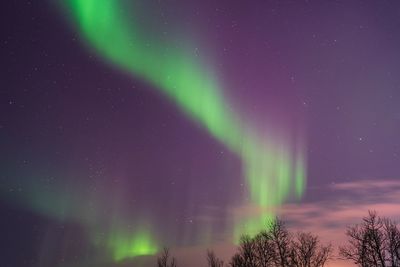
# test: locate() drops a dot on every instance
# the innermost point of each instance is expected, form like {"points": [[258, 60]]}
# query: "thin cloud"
{"points": [[343, 204]]}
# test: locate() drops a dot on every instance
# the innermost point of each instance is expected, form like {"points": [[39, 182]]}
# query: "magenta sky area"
{"points": [[75, 129]]}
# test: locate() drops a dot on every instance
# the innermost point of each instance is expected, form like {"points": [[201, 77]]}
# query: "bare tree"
{"points": [[282, 240], [164, 261], [265, 249], [246, 256], [393, 241], [307, 252], [277, 247], [374, 242], [213, 260]]}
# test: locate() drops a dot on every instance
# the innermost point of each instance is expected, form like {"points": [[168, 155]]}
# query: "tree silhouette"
{"points": [[247, 255], [277, 247], [306, 251], [163, 260], [213, 260], [374, 242]]}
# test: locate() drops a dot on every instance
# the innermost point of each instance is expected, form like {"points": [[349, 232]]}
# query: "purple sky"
{"points": [[68, 121]]}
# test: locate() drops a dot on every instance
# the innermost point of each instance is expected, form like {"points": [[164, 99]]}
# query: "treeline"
{"points": [[375, 242]]}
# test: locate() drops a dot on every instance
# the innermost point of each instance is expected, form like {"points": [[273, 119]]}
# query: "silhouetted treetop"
{"points": [[277, 247], [373, 242]]}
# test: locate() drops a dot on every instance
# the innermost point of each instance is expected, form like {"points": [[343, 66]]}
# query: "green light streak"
{"points": [[269, 167], [173, 71], [300, 176], [127, 245], [252, 225]]}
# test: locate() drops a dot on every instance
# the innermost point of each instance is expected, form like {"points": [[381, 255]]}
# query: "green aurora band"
{"points": [[273, 166]]}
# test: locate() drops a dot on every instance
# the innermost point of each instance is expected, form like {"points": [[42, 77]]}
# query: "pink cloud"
{"points": [[344, 204]]}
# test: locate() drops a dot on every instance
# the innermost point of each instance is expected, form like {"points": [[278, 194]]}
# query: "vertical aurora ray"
{"points": [[127, 245], [273, 168], [114, 234]]}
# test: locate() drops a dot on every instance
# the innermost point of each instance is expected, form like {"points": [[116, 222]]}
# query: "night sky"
{"points": [[131, 125]]}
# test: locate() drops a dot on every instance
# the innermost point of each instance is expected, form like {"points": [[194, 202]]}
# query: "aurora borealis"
{"points": [[270, 166], [194, 90], [130, 125]]}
